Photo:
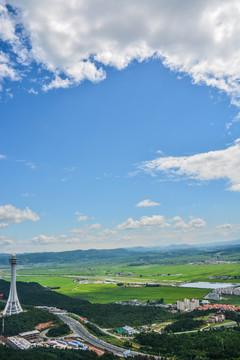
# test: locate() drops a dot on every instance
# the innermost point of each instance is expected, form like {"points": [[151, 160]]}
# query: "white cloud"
{"points": [[81, 217], [225, 226], [145, 221], [228, 229], [8, 36], [193, 223], [86, 229], [26, 194], [73, 39], [28, 164], [32, 91], [3, 225], [95, 226], [159, 221], [57, 83], [12, 214], [70, 169], [157, 232], [107, 232], [213, 165], [2, 157], [5, 241], [45, 240], [196, 222], [147, 203]]}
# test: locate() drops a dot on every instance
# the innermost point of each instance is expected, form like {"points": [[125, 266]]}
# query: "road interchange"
{"points": [[80, 331]]}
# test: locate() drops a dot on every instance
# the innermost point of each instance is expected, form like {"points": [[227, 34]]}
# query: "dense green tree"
{"points": [[27, 321], [218, 344], [60, 330]]}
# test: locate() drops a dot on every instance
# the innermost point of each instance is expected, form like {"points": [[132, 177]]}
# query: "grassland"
{"points": [[143, 273], [104, 293]]}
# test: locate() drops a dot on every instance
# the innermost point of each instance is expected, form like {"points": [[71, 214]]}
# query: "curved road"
{"points": [[85, 335]]}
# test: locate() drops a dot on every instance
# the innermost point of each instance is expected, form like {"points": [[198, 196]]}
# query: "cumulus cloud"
{"points": [[3, 225], [225, 227], [213, 165], [2, 157], [32, 91], [145, 221], [228, 229], [57, 83], [8, 36], [86, 229], [73, 40], [5, 241], [193, 223], [147, 203], [107, 232], [28, 164], [48, 239], [159, 221], [81, 217], [27, 194], [11, 214]]}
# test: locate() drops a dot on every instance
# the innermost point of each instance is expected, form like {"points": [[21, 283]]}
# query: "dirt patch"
{"points": [[44, 325], [98, 351], [3, 339]]}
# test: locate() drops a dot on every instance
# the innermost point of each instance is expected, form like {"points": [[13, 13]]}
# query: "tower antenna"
{"points": [[13, 305]]}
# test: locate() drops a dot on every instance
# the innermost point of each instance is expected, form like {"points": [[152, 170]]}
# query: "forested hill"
{"points": [[117, 315], [140, 255], [70, 256]]}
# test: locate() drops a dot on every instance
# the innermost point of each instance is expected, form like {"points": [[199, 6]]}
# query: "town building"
{"points": [[187, 304], [31, 336], [129, 330], [216, 318], [17, 342], [214, 296]]}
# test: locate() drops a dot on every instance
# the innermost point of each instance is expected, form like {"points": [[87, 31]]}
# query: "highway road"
{"points": [[89, 338]]}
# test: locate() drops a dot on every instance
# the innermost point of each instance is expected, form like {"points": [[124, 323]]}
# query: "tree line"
{"points": [[222, 343]]}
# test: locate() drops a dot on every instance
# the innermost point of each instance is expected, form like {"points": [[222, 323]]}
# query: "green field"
{"points": [[104, 293], [143, 273]]}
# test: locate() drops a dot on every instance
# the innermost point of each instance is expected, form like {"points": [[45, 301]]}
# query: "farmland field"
{"points": [[95, 291], [104, 293], [143, 273]]}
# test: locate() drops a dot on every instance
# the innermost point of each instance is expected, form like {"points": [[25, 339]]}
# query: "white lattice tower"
{"points": [[13, 305]]}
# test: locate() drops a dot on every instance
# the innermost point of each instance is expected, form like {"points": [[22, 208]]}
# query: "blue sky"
{"points": [[120, 143]]}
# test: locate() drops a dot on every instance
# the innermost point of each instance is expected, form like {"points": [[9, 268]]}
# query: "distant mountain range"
{"points": [[187, 246], [148, 254]]}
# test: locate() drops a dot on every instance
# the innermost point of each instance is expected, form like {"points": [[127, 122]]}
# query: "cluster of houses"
{"points": [[222, 307], [141, 303], [230, 290], [214, 319], [213, 262]]}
